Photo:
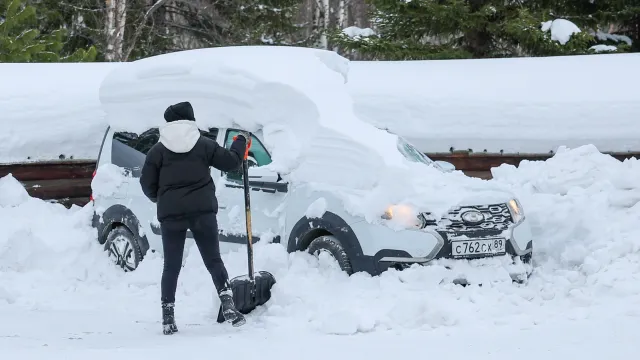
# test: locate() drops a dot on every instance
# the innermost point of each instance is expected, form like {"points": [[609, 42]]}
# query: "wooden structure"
{"points": [[69, 181], [65, 181]]}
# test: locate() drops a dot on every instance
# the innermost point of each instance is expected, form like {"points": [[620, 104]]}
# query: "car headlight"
{"points": [[406, 216], [516, 211]]}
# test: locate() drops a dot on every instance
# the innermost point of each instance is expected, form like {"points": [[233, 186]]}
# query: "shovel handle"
{"points": [[247, 209]]}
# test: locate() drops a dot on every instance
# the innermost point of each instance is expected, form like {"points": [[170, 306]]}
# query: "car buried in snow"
{"points": [[291, 211]]}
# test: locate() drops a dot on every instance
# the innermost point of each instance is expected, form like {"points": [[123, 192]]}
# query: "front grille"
{"points": [[496, 217]]}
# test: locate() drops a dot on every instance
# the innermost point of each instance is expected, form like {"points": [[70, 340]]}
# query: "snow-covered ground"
{"points": [[496, 104], [60, 297]]}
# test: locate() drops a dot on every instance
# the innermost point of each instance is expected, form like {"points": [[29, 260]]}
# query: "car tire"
{"points": [[123, 249], [527, 260], [333, 247]]}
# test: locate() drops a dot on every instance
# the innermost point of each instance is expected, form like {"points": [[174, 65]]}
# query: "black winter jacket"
{"points": [[176, 172]]}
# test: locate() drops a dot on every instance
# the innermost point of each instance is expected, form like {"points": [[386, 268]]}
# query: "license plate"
{"points": [[478, 247]]}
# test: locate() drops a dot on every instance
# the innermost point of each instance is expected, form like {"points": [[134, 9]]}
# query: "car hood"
{"points": [[487, 197]]}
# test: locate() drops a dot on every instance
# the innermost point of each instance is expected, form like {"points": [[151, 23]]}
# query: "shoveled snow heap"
{"points": [[297, 97], [583, 205], [593, 207]]}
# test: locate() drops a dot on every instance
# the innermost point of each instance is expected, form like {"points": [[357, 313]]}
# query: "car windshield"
{"points": [[412, 154]]}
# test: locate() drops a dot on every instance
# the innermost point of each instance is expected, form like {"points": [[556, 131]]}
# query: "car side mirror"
{"points": [[445, 165]]}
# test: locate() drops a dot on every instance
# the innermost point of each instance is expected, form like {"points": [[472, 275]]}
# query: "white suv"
{"points": [[303, 218]]}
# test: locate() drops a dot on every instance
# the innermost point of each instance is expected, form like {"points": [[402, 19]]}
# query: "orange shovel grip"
{"points": [[246, 151]]}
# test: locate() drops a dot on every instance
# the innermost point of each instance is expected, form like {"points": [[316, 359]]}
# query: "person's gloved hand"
{"points": [[247, 138], [244, 134]]}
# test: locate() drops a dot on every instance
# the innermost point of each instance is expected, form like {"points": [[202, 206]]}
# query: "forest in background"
{"points": [[126, 30]]}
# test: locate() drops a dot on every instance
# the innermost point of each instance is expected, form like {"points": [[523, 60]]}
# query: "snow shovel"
{"points": [[253, 290]]}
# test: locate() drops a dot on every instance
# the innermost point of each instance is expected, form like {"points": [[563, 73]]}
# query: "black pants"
{"points": [[205, 233]]}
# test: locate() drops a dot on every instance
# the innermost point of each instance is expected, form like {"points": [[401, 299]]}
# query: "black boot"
{"points": [[168, 320], [229, 311]]}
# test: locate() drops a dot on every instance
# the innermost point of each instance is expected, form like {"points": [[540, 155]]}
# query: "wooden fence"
{"points": [[65, 181], [69, 181]]}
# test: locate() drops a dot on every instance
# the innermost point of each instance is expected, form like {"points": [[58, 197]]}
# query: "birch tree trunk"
{"points": [[116, 21], [342, 13], [323, 20]]}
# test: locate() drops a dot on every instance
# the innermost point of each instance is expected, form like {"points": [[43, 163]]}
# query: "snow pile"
{"points": [[561, 29], [39, 237], [12, 193], [505, 105], [583, 206], [297, 97], [107, 180], [51, 111]]}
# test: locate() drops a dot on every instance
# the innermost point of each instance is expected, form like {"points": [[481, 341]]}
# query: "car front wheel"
{"points": [[333, 247]]}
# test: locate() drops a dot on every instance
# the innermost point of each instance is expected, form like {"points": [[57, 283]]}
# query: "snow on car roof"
{"points": [[219, 82], [281, 90]]}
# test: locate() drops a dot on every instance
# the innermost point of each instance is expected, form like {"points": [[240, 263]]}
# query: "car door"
{"points": [[267, 193]]}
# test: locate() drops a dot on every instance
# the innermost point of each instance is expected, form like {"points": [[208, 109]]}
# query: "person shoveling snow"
{"points": [[177, 178]]}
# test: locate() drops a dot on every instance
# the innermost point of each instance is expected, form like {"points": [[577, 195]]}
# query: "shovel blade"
{"points": [[248, 295]]}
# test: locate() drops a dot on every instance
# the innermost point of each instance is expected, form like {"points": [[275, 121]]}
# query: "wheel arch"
{"points": [[306, 229], [120, 215]]}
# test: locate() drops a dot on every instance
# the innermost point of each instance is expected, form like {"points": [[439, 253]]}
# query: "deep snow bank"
{"points": [[297, 97], [39, 238], [529, 105], [593, 207], [584, 207], [50, 110]]}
